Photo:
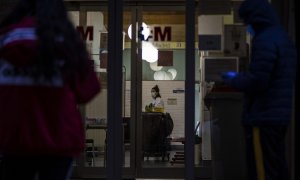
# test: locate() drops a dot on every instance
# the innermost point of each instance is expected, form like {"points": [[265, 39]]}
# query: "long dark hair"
{"points": [[156, 89], [52, 23]]}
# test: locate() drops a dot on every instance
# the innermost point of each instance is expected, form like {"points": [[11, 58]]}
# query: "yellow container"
{"points": [[158, 109]]}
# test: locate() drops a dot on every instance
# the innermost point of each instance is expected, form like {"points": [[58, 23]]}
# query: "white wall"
{"points": [[166, 91]]}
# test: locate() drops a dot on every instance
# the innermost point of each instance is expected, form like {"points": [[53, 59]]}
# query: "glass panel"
{"points": [[208, 27], [95, 34], [202, 126], [221, 47], [127, 120], [198, 103], [163, 83], [74, 17]]}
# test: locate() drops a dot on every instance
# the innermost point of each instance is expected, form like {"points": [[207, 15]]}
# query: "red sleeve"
{"points": [[87, 88], [19, 46]]}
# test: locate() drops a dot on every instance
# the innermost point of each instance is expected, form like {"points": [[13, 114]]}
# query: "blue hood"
{"points": [[258, 13]]}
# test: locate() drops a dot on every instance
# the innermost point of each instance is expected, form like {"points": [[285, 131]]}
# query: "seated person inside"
{"points": [[157, 104]]}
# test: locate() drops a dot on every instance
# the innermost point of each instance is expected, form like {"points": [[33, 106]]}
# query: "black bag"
{"points": [[168, 124]]}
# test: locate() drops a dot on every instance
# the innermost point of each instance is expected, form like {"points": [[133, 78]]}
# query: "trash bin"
{"points": [[228, 146]]}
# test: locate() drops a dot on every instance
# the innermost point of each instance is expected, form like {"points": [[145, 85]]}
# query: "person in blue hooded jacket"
{"points": [[268, 87]]}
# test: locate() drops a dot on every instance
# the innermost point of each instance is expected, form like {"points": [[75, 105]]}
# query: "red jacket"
{"points": [[38, 118]]}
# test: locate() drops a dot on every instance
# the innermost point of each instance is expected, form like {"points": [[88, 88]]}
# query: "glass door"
{"points": [[155, 60], [91, 23]]}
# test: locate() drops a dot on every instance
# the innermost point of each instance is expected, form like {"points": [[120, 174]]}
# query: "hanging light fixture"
{"points": [[162, 75], [173, 72], [149, 52], [145, 31]]}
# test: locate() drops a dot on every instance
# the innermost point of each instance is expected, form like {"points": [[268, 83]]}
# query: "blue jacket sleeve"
{"points": [[257, 79]]}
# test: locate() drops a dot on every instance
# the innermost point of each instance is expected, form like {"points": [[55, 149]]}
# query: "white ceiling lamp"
{"points": [[145, 31], [155, 67], [173, 72], [162, 75], [168, 76], [159, 75], [149, 52]]}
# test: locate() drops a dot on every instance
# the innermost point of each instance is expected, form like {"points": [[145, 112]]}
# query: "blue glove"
{"points": [[250, 30], [229, 75]]}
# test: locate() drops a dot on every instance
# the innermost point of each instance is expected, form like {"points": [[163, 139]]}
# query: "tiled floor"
{"points": [[99, 161], [152, 162]]}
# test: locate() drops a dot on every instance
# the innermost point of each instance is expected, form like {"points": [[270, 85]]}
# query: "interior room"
{"points": [[221, 45]]}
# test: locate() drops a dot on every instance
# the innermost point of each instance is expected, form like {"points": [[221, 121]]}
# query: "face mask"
{"points": [[250, 30], [153, 94]]}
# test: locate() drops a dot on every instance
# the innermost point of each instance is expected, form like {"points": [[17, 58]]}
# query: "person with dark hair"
{"points": [[45, 72], [157, 104], [268, 87]]}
